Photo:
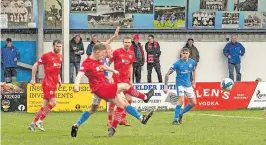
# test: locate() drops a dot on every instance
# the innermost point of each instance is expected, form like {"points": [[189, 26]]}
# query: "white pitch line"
{"points": [[236, 117]]}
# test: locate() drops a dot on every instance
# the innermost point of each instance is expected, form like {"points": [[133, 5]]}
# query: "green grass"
{"points": [[196, 129], [168, 24]]}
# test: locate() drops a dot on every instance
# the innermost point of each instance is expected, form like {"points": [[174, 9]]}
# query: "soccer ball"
{"points": [[227, 84]]}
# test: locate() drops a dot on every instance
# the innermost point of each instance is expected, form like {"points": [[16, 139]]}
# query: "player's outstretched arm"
{"points": [[77, 81], [170, 71], [33, 73], [114, 36]]}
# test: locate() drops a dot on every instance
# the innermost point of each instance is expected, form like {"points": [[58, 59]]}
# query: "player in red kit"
{"points": [[123, 59], [52, 62], [93, 67]]}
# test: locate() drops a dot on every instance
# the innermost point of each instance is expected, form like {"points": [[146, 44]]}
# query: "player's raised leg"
{"points": [[123, 104], [85, 115], [135, 93]]}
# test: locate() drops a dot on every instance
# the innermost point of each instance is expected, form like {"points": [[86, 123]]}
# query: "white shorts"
{"points": [[96, 100], [185, 91]]}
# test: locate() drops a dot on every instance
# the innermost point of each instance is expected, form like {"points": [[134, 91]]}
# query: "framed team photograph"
{"points": [[246, 5], [230, 20], [83, 6], [169, 17], [17, 13], [253, 20], [213, 5], [203, 19], [53, 14], [111, 6], [139, 6], [110, 20]]}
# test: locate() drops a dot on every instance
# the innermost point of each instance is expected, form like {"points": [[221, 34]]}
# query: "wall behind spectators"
{"points": [[27, 51], [212, 66]]}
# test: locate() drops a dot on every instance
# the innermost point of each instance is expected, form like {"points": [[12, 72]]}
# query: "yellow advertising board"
{"points": [[66, 98]]}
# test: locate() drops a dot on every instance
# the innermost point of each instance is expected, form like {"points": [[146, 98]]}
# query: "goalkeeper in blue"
{"points": [[185, 82]]}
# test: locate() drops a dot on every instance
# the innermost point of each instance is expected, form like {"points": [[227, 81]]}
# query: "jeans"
{"points": [[71, 71], [136, 72], [231, 67]]}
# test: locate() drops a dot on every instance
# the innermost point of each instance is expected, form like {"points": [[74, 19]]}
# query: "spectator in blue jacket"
{"points": [[9, 58], [94, 40], [233, 51]]}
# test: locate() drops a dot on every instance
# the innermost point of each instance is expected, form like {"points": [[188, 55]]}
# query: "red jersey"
{"points": [[94, 70], [52, 65], [122, 61]]}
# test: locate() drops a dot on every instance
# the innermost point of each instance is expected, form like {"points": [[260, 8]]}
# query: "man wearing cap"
{"points": [[137, 48], [9, 58], [76, 48]]}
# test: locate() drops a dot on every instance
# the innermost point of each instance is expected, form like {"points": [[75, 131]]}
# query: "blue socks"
{"points": [[177, 110], [83, 117], [186, 109], [132, 111]]}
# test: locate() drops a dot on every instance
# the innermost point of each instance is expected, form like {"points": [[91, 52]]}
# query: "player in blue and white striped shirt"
{"points": [[183, 68]]}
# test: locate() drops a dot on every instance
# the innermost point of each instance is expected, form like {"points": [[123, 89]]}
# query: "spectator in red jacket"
{"points": [[137, 48]]}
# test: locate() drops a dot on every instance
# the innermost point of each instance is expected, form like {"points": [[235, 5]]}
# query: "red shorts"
{"points": [[48, 92], [106, 91]]}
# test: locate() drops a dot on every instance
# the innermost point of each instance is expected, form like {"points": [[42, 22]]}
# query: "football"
{"points": [[227, 84]]}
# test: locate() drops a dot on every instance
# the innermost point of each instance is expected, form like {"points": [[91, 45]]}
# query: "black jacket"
{"points": [[153, 49], [76, 50]]}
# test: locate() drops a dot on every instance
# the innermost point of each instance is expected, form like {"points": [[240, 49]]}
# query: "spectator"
{"points": [[233, 51], [94, 40], [153, 58], [137, 48], [9, 58], [194, 53], [76, 50]]}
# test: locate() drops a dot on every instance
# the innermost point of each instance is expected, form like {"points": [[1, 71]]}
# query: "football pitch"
{"points": [[239, 127]]}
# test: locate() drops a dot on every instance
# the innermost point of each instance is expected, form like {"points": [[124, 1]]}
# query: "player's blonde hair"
{"points": [[99, 47]]}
